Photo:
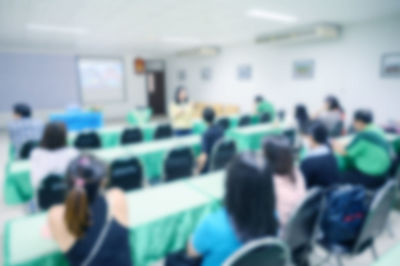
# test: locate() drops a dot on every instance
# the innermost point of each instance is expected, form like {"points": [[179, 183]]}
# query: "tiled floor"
{"points": [[384, 243]]}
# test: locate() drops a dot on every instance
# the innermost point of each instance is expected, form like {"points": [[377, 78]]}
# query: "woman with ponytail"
{"points": [[91, 226]]}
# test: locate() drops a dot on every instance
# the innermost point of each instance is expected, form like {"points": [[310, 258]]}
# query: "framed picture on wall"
{"points": [[244, 72], [206, 74], [390, 65], [181, 75], [303, 69]]}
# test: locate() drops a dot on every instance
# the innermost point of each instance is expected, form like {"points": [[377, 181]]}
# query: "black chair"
{"points": [[375, 222], [261, 252], [224, 123], [265, 118], [87, 140], [126, 174], [131, 136], [245, 121], [27, 148], [179, 163], [301, 230], [223, 152], [51, 191], [163, 131]]}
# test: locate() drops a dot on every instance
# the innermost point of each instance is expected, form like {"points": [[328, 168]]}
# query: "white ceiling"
{"points": [[129, 25]]}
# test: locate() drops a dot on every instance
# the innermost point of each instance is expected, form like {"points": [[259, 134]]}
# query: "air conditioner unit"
{"points": [[322, 31], [202, 51]]}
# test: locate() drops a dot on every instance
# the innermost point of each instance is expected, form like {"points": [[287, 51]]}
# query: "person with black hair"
{"points": [[53, 155], [24, 128], [302, 118], [91, 226], [368, 156], [331, 115], [319, 166], [181, 113], [263, 106], [249, 212], [288, 181], [209, 139]]}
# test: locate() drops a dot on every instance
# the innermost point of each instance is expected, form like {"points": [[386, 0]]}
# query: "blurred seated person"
{"points": [[368, 155], [181, 113], [91, 227], [319, 166], [331, 115], [53, 155], [24, 128], [288, 181], [248, 212], [213, 133], [263, 106], [301, 118]]}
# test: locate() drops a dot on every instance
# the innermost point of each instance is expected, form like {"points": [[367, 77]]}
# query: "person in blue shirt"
{"points": [[248, 212], [209, 139]]}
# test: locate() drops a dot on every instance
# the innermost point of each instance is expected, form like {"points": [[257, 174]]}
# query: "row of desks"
{"points": [[161, 218]]}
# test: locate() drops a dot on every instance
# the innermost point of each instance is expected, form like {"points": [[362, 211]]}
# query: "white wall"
{"points": [[348, 67]]}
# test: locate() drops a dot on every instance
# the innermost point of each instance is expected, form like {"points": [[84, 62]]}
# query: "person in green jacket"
{"points": [[368, 154], [264, 107]]}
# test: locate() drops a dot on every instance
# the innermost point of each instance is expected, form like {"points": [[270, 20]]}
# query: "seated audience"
{"points": [[319, 166], [91, 226], [263, 106], [301, 118], [288, 180], [332, 115], [24, 128], [181, 113], [368, 155], [53, 155], [249, 212], [209, 139]]}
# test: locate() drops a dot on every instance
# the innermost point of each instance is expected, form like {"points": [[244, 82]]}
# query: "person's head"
{"points": [[279, 154], [54, 136], [86, 176], [362, 118], [258, 99], [301, 113], [332, 103], [181, 95], [209, 115], [250, 198], [22, 110], [317, 134]]}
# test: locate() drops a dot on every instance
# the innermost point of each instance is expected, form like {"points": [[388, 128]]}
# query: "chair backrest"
{"points": [[126, 174], [51, 191], [27, 148], [290, 134], [131, 135], [300, 231], [224, 123], [261, 252], [179, 163], [245, 121], [87, 140], [223, 152], [163, 131], [377, 216], [265, 118]]}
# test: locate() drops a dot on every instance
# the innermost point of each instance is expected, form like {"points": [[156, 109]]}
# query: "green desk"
{"points": [[18, 188], [161, 221], [390, 258], [139, 117]]}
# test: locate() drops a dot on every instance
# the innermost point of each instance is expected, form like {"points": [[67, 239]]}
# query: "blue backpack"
{"points": [[344, 215]]}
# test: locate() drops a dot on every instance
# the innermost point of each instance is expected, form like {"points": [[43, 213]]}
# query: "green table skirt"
{"points": [[139, 116]]}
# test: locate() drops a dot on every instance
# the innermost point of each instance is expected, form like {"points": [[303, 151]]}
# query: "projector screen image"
{"points": [[101, 79]]}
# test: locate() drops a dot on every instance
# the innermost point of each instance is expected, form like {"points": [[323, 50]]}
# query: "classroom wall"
{"points": [[348, 67], [33, 73]]}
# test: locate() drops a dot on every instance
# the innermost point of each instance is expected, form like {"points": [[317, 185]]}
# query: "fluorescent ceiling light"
{"points": [[55, 29], [181, 40], [263, 14]]}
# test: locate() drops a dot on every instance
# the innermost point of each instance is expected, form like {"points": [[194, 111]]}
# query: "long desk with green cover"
{"points": [[18, 188], [161, 218]]}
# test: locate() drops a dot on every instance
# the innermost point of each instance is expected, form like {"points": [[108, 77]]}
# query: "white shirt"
{"points": [[45, 162]]}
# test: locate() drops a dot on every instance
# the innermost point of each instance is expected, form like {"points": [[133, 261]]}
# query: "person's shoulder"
{"points": [[216, 219]]}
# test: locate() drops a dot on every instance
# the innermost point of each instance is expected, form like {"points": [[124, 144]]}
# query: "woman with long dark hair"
{"points": [[332, 115], [91, 226], [301, 117], [288, 180], [249, 212], [181, 113]]}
